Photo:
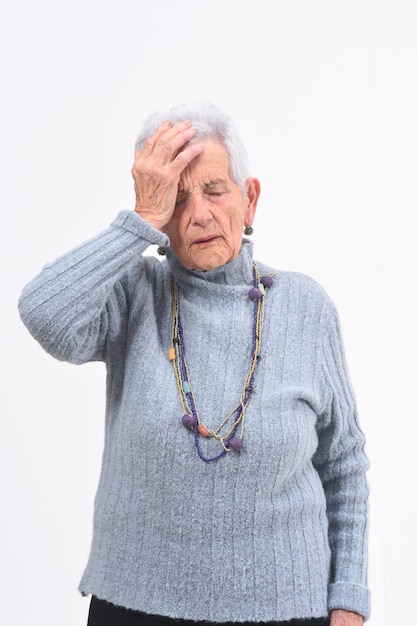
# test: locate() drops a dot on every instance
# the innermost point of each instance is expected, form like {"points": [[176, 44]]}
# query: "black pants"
{"points": [[103, 613]]}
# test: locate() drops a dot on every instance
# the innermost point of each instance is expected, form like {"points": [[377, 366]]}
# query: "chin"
{"points": [[207, 266], [207, 260]]}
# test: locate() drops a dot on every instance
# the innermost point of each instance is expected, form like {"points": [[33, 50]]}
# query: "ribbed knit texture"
{"points": [[246, 538]]}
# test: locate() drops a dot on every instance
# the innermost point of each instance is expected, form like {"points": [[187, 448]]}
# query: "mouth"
{"points": [[202, 241]]}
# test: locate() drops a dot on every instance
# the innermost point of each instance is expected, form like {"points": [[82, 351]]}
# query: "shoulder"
{"points": [[296, 282], [300, 295]]}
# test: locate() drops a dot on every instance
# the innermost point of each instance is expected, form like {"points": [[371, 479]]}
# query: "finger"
{"points": [[185, 156], [159, 130], [150, 141], [173, 140], [168, 141]]}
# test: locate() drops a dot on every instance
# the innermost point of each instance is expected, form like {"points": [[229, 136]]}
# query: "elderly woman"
{"points": [[233, 481]]}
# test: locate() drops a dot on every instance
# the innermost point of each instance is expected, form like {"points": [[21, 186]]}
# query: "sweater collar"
{"points": [[235, 272]]}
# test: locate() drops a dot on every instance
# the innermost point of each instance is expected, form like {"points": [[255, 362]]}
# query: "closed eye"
{"points": [[214, 190]]}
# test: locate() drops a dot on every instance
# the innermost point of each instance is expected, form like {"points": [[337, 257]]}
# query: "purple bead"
{"points": [[255, 294], [236, 444], [267, 281], [188, 420]]}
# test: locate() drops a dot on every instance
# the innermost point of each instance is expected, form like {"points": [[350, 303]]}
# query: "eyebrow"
{"points": [[212, 183]]}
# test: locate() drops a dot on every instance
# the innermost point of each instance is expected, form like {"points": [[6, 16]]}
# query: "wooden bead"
{"points": [[203, 430]]}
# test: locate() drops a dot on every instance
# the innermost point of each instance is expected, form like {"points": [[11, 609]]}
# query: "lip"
{"points": [[205, 240]]}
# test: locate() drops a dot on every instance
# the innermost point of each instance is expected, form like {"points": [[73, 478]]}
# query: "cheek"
{"points": [[177, 240], [236, 226]]}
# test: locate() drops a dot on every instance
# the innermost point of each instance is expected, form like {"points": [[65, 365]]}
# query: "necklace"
{"points": [[229, 433]]}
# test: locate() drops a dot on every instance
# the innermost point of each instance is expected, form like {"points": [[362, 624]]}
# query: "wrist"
{"points": [[341, 617], [156, 222]]}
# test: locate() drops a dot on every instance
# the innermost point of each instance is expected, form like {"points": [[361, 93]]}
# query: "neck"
{"points": [[235, 272]]}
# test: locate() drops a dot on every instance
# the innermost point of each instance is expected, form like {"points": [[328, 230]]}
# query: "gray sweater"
{"points": [[274, 532]]}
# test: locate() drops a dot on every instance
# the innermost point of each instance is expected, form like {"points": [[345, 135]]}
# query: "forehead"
{"points": [[212, 161]]}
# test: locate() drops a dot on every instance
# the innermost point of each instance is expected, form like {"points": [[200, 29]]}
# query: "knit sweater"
{"points": [[274, 532]]}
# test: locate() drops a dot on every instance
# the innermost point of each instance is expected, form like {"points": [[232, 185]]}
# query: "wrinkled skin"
{"points": [[187, 192], [340, 617]]}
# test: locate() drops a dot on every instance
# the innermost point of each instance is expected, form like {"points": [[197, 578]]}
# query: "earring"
{"points": [[161, 251], [248, 231]]}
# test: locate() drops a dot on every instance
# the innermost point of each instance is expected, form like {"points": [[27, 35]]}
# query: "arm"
{"points": [[76, 302], [341, 463]]}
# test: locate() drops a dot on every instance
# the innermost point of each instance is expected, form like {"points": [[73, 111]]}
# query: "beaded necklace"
{"points": [[227, 431]]}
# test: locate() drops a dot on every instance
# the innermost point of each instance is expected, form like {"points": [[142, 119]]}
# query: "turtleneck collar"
{"points": [[235, 272]]}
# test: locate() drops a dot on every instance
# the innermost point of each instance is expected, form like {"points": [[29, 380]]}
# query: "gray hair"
{"points": [[210, 122]]}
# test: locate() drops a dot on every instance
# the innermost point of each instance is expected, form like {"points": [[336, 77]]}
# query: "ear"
{"points": [[253, 191]]}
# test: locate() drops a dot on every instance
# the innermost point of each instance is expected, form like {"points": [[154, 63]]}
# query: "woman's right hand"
{"points": [[157, 169]]}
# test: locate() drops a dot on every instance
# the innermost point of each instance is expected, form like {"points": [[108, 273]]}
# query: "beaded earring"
{"points": [[248, 231]]}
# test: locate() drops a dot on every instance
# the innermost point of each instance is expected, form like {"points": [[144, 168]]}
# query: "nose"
{"points": [[199, 210]]}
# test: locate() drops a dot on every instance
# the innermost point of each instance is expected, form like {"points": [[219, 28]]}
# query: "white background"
{"points": [[325, 96]]}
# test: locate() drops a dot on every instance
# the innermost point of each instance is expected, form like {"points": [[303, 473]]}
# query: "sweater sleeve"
{"points": [[77, 301], [341, 462]]}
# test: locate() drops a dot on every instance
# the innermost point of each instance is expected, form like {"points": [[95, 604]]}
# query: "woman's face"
{"points": [[205, 230]]}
